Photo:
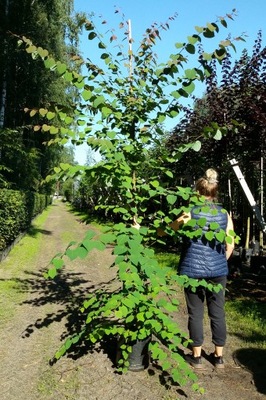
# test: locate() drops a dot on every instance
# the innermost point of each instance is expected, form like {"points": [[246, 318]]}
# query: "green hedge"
{"points": [[36, 203], [17, 209]]}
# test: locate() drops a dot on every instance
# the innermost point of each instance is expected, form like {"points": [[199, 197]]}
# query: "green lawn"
{"points": [[12, 289]]}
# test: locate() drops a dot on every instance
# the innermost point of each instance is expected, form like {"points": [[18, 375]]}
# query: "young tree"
{"points": [[121, 112]]}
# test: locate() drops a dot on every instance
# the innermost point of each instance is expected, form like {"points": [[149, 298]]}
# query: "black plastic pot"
{"points": [[139, 358]]}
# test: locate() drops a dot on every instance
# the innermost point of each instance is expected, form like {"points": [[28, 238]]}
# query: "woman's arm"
{"points": [[175, 225], [229, 246]]}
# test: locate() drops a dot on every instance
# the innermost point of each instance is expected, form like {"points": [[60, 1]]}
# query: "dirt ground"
{"points": [[48, 315]]}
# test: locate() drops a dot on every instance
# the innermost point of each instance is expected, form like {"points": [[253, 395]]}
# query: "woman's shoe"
{"points": [[218, 362], [195, 362]]}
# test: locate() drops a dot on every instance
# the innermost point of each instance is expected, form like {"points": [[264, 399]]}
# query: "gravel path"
{"points": [[47, 315]]}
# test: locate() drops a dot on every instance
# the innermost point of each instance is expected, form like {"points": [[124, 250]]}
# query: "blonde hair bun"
{"points": [[211, 176]]}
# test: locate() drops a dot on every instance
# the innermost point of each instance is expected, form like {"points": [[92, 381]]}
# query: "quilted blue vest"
{"points": [[202, 258]]}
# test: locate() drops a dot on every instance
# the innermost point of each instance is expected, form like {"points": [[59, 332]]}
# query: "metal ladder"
{"points": [[248, 194]]}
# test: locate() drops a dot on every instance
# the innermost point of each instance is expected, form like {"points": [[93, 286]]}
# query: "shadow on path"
{"points": [[33, 232], [254, 360], [68, 290]]}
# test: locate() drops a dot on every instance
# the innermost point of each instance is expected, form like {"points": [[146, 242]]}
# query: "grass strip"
{"points": [[13, 290], [246, 320]]}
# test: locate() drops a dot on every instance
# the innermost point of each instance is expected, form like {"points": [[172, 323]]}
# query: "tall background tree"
{"points": [[25, 158]]}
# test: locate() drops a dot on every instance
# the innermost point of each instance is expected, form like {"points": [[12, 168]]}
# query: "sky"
{"points": [[250, 19]]}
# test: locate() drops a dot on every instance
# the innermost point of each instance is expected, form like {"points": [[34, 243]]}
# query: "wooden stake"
{"points": [[130, 48]]}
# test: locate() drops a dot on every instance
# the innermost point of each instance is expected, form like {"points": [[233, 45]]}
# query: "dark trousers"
{"points": [[215, 304]]}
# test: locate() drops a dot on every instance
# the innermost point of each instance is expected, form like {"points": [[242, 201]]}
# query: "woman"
{"points": [[203, 259]]}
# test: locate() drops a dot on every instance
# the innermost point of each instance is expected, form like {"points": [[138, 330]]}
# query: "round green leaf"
{"points": [[199, 29], [106, 111], [179, 45], [43, 112], [61, 68], [155, 184], [79, 252], [104, 56], [229, 239], [190, 73], [99, 100], [45, 128], [189, 87], [206, 56], [42, 52], [176, 94], [209, 235], [196, 146], [190, 48], [171, 199], [101, 45], [220, 236], [54, 130], [193, 39], [208, 33], [92, 35], [50, 115], [202, 222], [214, 226], [220, 53], [161, 118], [52, 273], [225, 43], [218, 135], [86, 94], [212, 27]]}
